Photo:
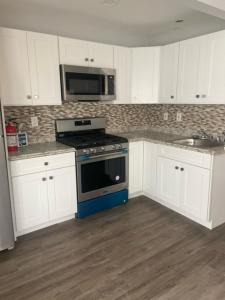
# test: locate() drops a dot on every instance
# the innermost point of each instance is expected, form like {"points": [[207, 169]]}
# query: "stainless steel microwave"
{"points": [[87, 83]]}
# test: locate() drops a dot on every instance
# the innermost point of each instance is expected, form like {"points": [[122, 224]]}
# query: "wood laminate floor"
{"points": [[138, 251]]}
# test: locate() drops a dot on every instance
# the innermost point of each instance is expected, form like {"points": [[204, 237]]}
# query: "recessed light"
{"points": [[179, 21], [110, 2]]}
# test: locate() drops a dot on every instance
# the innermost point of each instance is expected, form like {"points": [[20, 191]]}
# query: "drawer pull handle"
{"points": [[44, 179], [46, 163], [51, 177], [182, 169], [176, 168]]}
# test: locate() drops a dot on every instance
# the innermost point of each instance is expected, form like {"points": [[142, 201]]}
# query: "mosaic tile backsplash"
{"points": [[121, 117]]}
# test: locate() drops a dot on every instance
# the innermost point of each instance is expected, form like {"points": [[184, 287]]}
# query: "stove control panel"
{"points": [[102, 149]]}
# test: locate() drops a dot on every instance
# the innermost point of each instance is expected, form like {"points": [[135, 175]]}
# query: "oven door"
{"points": [[102, 174], [84, 83]]}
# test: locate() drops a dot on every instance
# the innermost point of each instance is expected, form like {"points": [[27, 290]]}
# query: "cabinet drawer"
{"points": [[41, 164], [191, 157]]}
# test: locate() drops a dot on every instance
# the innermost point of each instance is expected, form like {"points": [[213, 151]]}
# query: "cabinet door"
{"points": [[213, 89], [122, 64], [31, 200], [168, 72], [145, 74], [44, 68], [168, 181], [73, 52], [100, 55], [14, 68], [150, 168], [188, 71], [135, 167], [62, 192], [195, 185]]}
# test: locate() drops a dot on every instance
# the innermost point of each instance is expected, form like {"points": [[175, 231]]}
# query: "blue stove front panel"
{"points": [[93, 206]]}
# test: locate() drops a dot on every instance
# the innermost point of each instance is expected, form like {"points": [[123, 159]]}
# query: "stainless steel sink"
{"points": [[200, 143]]}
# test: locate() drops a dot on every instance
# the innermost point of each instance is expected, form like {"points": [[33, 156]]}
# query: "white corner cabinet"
{"points": [[44, 191], [29, 68], [169, 56], [188, 182], [145, 75]]}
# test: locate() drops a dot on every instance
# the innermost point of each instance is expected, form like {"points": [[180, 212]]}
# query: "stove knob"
{"points": [[93, 150], [86, 151]]}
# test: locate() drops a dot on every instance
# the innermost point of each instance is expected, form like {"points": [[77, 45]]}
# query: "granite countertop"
{"points": [[42, 149], [167, 139]]}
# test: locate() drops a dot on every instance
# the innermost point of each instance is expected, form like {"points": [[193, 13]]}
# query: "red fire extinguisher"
{"points": [[11, 134]]}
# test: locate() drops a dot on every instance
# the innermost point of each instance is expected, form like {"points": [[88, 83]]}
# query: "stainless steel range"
{"points": [[101, 163]]}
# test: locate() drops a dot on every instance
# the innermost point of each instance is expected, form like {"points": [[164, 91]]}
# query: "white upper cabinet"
{"points": [[202, 69], [73, 52], [213, 85], [122, 64], [101, 55], [145, 74], [188, 72], [29, 66], [169, 56], [83, 53], [44, 68], [14, 68]]}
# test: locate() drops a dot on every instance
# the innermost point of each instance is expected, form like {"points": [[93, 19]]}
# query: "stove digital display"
{"points": [[82, 123]]}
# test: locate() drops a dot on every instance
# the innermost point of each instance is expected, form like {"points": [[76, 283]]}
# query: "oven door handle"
{"points": [[105, 155]]}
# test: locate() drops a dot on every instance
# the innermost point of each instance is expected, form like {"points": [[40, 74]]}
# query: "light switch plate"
{"points": [[165, 116], [34, 121], [179, 117]]}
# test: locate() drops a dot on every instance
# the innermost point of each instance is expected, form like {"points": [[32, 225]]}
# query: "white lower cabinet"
{"points": [[135, 167], [43, 198], [31, 200], [183, 180], [149, 169], [61, 191], [195, 188], [168, 181], [184, 186]]}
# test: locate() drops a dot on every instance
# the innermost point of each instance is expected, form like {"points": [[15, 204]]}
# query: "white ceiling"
{"points": [[128, 22]]}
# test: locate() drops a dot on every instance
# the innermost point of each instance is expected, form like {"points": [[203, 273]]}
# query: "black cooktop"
{"points": [[90, 140]]}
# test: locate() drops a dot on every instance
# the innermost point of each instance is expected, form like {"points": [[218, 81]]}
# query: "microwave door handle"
{"points": [[106, 85]]}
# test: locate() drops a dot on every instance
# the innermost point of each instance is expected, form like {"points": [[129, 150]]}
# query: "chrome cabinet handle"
{"points": [[29, 97], [51, 177], [44, 179], [46, 163]]}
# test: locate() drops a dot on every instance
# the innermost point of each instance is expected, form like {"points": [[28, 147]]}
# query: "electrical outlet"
{"points": [[165, 116], [34, 121], [179, 117]]}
